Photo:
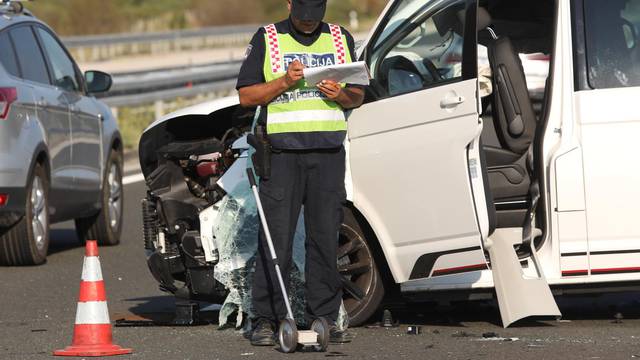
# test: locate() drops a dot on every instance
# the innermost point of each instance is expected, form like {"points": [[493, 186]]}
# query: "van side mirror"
{"points": [[97, 81]]}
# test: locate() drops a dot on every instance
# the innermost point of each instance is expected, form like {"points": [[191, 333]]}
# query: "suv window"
{"points": [[8, 56], [613, 57], [29, 56], [64, 73], [420, 52]]}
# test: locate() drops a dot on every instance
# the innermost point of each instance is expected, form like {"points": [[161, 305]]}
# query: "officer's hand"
{"points": [[330, 88], [294, 73]]}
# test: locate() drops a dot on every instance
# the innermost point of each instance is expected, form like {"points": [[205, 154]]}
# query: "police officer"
{"points": [[306, 127]]}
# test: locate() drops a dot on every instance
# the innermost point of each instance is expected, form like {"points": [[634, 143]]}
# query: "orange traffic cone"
{"points": [[92, 331]]}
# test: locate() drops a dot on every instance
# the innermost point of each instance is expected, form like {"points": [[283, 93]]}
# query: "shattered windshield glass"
{"points": [[236, 236]]}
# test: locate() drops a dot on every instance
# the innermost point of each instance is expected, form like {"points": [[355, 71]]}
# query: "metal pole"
{"points": [[265, 227]]}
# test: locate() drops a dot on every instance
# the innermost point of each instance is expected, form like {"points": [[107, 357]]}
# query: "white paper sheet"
{"points": [[356, 73]]}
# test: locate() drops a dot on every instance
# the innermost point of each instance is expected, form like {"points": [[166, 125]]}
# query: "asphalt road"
{"points": [[37, 310]]}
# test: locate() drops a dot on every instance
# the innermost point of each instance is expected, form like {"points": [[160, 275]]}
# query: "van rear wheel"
{"points": [[363, 288]]}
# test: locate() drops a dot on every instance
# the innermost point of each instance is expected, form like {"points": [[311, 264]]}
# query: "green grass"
{"points": [[132, 121], [86, 17]]}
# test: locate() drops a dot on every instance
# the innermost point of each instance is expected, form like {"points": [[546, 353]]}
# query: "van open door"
{"points": [[415, 157]]}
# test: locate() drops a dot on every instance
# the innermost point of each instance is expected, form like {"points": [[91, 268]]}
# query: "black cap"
{"points": [[308, 9]]}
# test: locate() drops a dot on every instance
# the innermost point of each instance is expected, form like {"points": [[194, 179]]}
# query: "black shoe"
{"points": [[263, 334], [338, 336]]}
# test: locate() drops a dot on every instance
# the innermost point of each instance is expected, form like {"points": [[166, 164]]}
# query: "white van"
{"points": [[458, 190]]}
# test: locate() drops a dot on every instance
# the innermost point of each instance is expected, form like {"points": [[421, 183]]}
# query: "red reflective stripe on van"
{"points": [[600, 271], [459, 269], [575, 272]]}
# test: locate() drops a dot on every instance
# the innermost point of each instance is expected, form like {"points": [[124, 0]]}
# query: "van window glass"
{"points": [[29, 56], [8, 56], [402, 12], [422, 52], [613, 54], [64, 73]]}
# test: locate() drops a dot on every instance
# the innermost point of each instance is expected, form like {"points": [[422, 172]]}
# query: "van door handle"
{"points": [[451, 101]]}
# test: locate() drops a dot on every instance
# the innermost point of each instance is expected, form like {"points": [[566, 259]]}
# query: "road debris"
{"points": [[413, 330], [335, 354], [387, 319], [618, 318], [161, 319], [462, 334], [498, 339], [494, 337], [488, 336]]}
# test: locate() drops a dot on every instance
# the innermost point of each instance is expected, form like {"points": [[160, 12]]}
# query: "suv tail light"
{"points": [[7, 97], [4, 198]]}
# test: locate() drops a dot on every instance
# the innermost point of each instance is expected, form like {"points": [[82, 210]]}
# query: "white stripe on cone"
{"points": [[92, 312], [91, 269]]}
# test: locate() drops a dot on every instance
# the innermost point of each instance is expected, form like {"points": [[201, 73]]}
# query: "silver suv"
{"points": [[60, 148]]}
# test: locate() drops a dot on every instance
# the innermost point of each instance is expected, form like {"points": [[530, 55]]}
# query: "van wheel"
{"points": [[27, 242], [106, 225], [363, 288]]}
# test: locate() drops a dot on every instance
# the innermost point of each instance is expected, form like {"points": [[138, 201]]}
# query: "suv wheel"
{"points": [[27, 242], [363, 286], [106, 225]]}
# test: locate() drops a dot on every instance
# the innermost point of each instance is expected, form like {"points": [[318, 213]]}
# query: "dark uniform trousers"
{"points": [[315, 179]]}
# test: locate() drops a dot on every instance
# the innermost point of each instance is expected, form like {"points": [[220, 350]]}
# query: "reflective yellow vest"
{"points": [[302, 117]]}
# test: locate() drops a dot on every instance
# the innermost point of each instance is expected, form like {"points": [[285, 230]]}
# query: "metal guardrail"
{"points": [[110, 39], [103, 47], [174, 78], [221, 87]]}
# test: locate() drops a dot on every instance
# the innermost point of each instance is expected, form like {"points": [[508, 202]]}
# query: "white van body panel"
{"points": [[420, 139], [593, 197], [558, 143]]}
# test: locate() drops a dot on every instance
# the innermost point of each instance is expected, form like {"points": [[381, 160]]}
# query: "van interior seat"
{"points": [[515, 122], [513, 114]]}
